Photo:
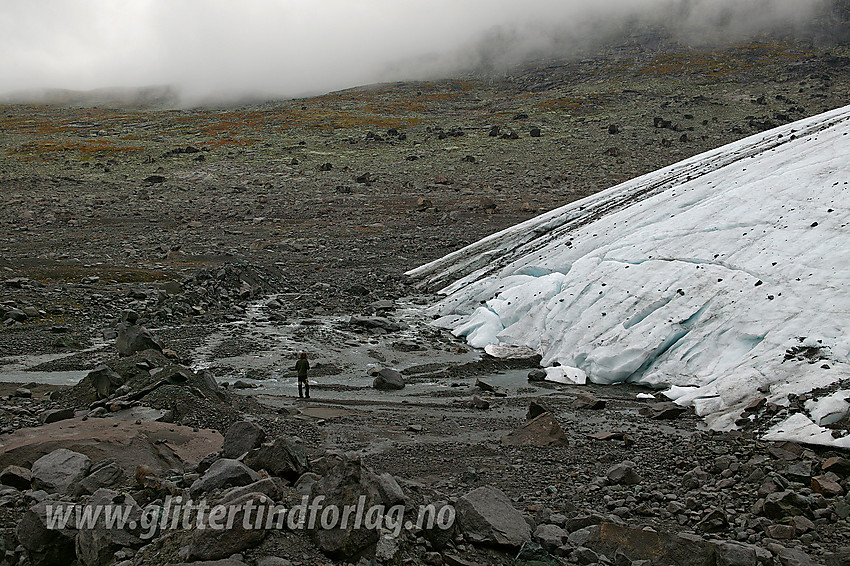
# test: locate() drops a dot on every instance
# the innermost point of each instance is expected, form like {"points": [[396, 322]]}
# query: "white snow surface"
{"points": [[831, 408], [800, 428], [698, 276]]}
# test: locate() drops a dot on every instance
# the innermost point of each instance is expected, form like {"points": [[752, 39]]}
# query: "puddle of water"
{"points": [[15, 369], [327, 339], [46, 377], [414, 392]]}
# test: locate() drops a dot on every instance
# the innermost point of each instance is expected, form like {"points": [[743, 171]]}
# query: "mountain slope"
{"points": [[719, 275]]}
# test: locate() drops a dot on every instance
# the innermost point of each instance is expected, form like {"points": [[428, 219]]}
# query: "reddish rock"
{"points": [[837, 465], [160, 446], [541, 431], [826, 486]]}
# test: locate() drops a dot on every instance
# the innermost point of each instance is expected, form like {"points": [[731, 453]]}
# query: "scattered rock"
{"points": [[786, 504], [534, 554], [23, 393], [282, 458], [542, 430], [46, 546], [663, 411], [837, 465], [588, 401], [55, 415], [537, 375], [59, 470], [224, 473], [550, 537], [486, 516], [731, 553], [826, 485], [105, 381], [535, 409], [103, 475], [222, 537], [624, 474], [97, 545], [380, 323], [344, 485], [17, 477], [662, 549], [484, 386], [240, 438], [388, 380], [132, 338]]}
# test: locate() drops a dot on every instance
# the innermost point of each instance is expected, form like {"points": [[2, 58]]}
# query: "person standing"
{"points": [[302, 366]]}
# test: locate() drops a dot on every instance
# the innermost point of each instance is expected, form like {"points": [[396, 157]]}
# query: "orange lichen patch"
{"points": [[233, 128], [232, 142], [45, 150], [74, 273], [45, 120], [588, 102], [341, 120], [717, 64]]}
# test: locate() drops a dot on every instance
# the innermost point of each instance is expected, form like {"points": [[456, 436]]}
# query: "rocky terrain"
{"points": [[174, 261]]}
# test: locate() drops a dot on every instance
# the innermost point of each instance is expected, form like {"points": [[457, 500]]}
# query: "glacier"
{"points": [[697, 279]]}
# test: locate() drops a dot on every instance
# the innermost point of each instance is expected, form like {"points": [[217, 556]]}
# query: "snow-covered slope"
{"points": [[701, 276]]}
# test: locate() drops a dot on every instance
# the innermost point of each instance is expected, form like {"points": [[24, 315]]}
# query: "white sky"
{"points": [[294, 47]]}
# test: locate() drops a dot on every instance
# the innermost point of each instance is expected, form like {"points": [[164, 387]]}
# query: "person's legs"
{"points": [[306, 389], [300, 394]]}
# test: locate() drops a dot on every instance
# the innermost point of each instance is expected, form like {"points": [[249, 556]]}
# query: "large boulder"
{"points": [[47, 542], [104, 474], [792, 556], [388, 380], [240, 438], [537, 375], [56, 415], [129, 444], [222, 536], [377, 323], [96, 545], [17, 477], [224, 473], [551, 537], [624, 474], [60, 470], [350, 484], [222, 562], [534, 554], [661, 548], [731, 553], [588, 401], [486, 516], [542, 430], [105, 381], [787, 503], [133, 338], [840, 557], [282, 458], [270, 487]]}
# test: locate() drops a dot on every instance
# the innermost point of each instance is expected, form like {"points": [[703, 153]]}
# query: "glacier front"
{"points": [[714, 278]]}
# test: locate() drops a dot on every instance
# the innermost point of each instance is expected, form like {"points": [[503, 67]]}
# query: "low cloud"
{"points": [[285, 48]]}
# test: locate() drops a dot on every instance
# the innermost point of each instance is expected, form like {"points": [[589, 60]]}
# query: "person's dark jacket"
{"points": [[301, 366]]}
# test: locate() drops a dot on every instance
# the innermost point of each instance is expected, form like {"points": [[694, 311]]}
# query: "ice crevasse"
{"points": [[698, 278]]}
